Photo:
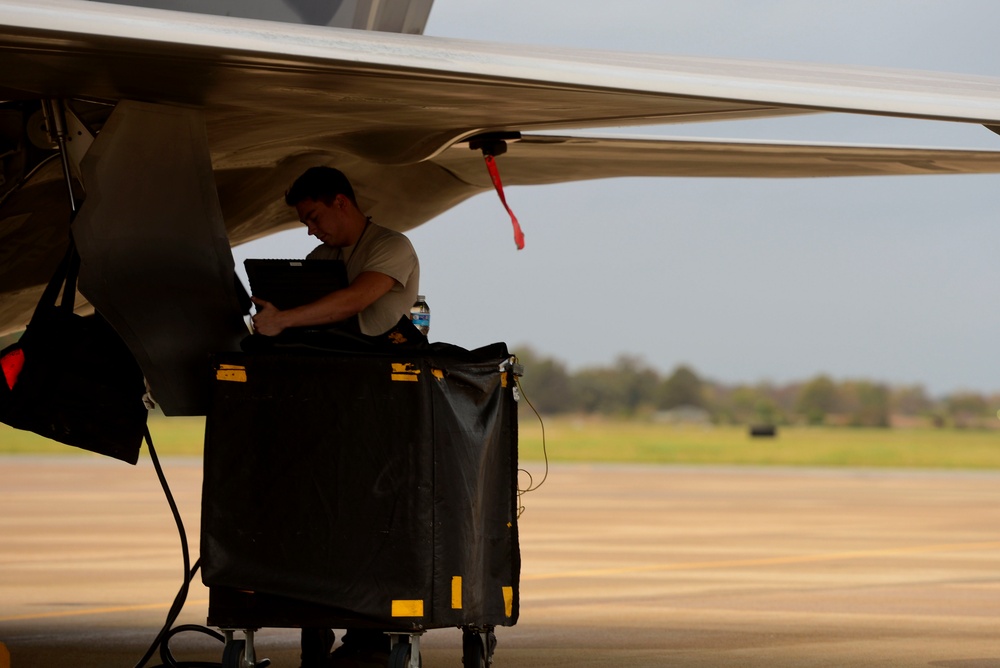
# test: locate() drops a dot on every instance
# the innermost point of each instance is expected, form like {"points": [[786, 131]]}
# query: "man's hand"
{"points": [[328, 309], [267, 320]]}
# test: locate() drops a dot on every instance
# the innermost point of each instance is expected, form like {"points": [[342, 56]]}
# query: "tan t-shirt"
{"points": [[387, 252]]}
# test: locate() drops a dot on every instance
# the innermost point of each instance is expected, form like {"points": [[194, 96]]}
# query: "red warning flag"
{"points": [[491, 165]]}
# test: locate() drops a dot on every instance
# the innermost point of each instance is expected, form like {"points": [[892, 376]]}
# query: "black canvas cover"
{"points": [[381, 485]]}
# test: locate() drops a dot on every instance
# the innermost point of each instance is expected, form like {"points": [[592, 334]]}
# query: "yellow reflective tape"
{"points": [[508, 601], [401, 608], [438, 373], [456, 592], [231, 372], [405, 371], [404, 367], [503, 379]]}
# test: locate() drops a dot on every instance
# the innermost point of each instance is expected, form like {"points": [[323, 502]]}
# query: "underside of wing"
{"points": [[408, 195]]}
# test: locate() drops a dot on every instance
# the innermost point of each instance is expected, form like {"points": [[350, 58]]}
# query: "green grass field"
{"points": [[601, 440], [171, 436], [595, 440]]}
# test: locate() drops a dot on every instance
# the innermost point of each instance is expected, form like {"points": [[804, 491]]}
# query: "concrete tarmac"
{"points": [[622, 566]]}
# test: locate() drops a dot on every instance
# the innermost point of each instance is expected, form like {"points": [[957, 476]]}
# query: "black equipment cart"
{"points": [[373, 489]]}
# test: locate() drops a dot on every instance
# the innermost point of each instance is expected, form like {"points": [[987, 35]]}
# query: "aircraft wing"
{"points": [[261, 101], [398, 99]]}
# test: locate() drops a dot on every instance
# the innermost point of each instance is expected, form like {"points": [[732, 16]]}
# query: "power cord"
{"points": [[162, 639], [545, 454]]}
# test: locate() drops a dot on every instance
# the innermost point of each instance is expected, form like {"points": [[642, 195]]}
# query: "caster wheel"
{"points": [[232, 655], [473, 655], [399, 657]]}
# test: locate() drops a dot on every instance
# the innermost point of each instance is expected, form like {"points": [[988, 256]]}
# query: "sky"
{"points": [[893, 279]]}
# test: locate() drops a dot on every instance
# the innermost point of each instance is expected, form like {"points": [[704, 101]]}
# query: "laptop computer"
{"points": [[291, 283]]}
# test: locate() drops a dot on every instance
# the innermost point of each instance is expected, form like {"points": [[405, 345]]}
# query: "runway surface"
{"points": [[622, 566]]}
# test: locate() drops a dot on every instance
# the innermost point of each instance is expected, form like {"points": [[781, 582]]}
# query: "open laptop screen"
{"points": [[291, 283]]}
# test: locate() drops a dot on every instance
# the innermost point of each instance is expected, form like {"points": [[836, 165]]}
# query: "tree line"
{"points": [[631, 388]]}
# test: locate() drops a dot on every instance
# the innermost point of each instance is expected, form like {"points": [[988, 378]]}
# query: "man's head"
{"points": [[320, 184], [324, 201]]}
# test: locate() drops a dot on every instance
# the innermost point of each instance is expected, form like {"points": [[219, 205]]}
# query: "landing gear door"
{"points": [[156, 261]]}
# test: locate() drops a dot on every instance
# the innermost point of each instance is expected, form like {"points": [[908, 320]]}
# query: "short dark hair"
{"points": [[320, 183]]}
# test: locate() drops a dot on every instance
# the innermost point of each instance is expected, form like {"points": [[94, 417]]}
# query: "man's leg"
{"points": [[362, 648], [316, 646]]}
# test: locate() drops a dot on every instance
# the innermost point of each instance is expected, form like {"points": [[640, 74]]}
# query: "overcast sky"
{"points": [[894, 279]]}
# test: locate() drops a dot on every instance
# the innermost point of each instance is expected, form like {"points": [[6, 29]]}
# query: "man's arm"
{"points": [[334, 307]]}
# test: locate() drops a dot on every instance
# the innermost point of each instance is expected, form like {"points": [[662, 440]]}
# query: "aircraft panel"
{"points": [[538, 159]]}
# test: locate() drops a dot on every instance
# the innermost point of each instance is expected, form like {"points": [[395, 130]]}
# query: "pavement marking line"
{"points": [[769, 561], [92, 611]]}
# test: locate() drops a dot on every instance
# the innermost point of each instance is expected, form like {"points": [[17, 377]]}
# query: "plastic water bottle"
{"points": [[420, 315]]}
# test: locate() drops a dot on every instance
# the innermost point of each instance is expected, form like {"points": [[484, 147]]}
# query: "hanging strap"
{"points": [[72, 271], [491, 166], [63, 279]]}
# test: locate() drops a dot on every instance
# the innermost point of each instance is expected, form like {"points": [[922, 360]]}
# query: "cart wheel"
{"points": [[232, 655], [473, 654], [399, 657], [491, 645]]}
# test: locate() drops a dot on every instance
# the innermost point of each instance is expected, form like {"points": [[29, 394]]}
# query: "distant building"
{"points": [[685, 414]]}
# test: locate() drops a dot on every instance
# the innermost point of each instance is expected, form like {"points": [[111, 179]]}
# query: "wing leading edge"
{"points": [[402, 16]]}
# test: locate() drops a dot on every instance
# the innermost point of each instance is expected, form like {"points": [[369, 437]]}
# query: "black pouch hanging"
{"points": [[71, 378]]}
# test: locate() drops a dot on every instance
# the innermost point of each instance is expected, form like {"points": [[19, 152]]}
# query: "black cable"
{"points": [[168, 658], [182, 594], [166, 632]]}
